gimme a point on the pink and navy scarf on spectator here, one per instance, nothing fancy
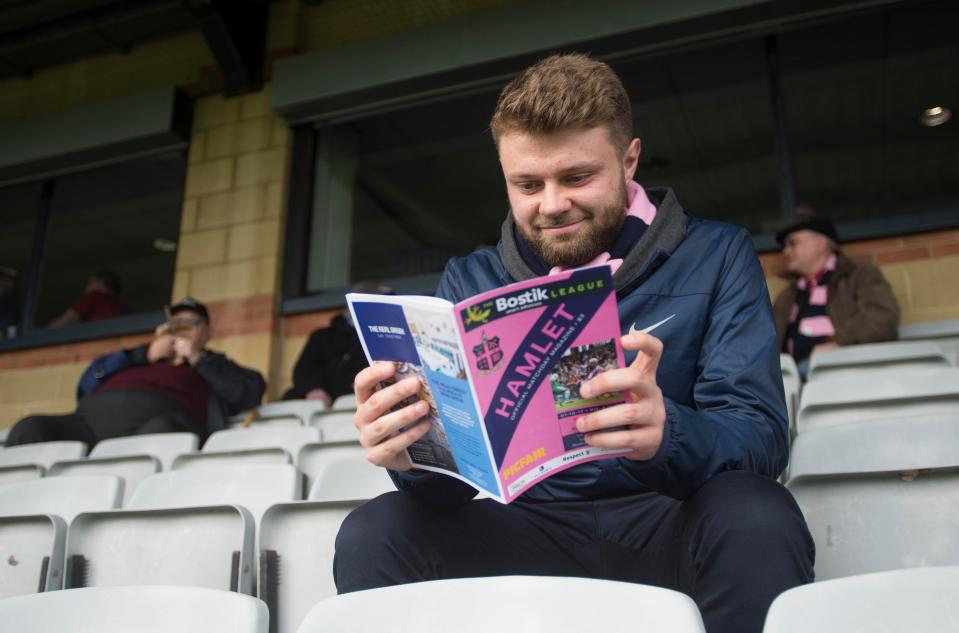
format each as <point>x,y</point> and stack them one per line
<point>640,214</point>
<point>809,325</point>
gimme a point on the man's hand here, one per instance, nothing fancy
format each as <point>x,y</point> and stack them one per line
<point>643,413</point>
<point>187,349</point>
<point>822,347</point>
<point>380,429</point>
<point>161,348</point>
<point>320,394</point>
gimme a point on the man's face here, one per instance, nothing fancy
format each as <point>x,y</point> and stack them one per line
<point>199,329</point>
<point>806,252</point>
<point>567,191</point>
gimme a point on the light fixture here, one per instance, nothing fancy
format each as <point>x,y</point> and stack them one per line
<point>164,245</point>
<point>936,115</point>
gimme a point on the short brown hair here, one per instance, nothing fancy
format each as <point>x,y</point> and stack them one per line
<point>562,92</point>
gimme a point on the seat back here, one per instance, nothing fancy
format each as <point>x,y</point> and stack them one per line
<point>163,446</point>
<point>296,544</point>
<point>336,426</point>
<point>285,413</point>
<point>289,438</point>
<point>466,605</point>
<point>921,599</point>
<point>41,453</point>
<point>10,474</point>
<point>859,361</point>
<point>349,476</point>
<point>345,402</point>
<point>889,395</point>
<point>142,609</point>
<point>31,548</point>
<point>63,496</point>
<point>131,469</point>
<point>313,458</point>
<point>215,459</point>
<point>208,546</point>
<point>253,486</point>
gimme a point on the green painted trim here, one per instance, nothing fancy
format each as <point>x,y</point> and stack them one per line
<point>94,134</point>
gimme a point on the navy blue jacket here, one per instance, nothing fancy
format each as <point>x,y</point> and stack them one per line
<point>232,388</point>
<point>719,373</point>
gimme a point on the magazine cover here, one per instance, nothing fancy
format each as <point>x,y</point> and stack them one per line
<point>501,373</point>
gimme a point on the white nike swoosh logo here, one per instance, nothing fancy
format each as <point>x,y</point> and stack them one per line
<point>647,330</point>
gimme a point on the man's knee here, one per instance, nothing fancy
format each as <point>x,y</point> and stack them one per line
<point>32,429</point>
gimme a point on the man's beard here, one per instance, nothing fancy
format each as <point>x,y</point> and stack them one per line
<point>580,247</point>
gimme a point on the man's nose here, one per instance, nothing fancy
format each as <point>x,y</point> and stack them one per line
<point>554,200</point>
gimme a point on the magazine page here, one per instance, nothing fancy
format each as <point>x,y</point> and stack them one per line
<point>420,335</point>
<point>529,347</point>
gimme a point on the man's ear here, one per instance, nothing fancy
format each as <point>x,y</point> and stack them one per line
<point>631,158</point>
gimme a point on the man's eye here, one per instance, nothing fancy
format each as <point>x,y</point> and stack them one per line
<point>577,179</point>
<point>527,186</point>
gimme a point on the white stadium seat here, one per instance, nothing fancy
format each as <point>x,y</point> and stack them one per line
<point>63,496</point>
<point>163,446</point>
<point>899,601</point>
<point>283,413</point>
<point>41,453</point>
<point>945,334</point>
<point>349,476</point>
<point>216,459</point>
<point>289,438</point>
<point>312,458</point>
<point>132,469</point>
<point>890,395</point>
<point>31,550</point>
<point>879,495</point>
<point>792,386</point>
<point>860,361</point>
<point>534,603</point>
<point>156,609</point>
<point>336,426</point>
<point>345,402</point>
<point>10,474</point>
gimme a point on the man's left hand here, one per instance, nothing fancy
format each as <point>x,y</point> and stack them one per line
<point>643,413</point>
<point>188,350</point>
<point>822,347</point>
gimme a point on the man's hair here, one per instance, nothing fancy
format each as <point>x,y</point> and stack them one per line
<point>109,279</point>
<point>563,92</point>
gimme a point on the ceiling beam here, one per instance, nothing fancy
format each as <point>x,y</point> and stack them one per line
<point>235,31</point>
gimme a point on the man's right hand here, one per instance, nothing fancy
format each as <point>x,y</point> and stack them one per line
<point>161,348</point>
<point>380,428</point>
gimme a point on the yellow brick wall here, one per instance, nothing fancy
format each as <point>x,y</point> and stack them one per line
<point>38,390</point>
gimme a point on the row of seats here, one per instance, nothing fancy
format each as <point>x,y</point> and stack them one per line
<point>924,599</point>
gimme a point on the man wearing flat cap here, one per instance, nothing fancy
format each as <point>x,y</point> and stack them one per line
<point>174,383</point>
<point>831,300</point>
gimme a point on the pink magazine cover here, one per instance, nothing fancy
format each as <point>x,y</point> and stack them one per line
<point>528,347</point>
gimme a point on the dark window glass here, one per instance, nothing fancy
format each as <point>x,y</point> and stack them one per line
<point>18,215</point>
<point>116,218</point>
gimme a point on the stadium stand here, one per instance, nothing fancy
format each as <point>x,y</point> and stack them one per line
<point>153,609</point>
<point>900,394</point>
<point>474,605</point>
<point>862,361</point>
<point>163,446</point>
<point>63,496</point>
<point>42,453</point>
<point>32,547</point>
<point>924,599</point>
<point>132,469</point>
<point>879,494</point>
<point>282,413</point>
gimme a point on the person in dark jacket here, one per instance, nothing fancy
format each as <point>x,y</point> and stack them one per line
<point>172,384</point>
<point>831,300</point>
<point>695,506</point>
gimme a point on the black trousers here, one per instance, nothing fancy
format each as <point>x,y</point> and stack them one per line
<point>104,415</point>
<point>733,546</point>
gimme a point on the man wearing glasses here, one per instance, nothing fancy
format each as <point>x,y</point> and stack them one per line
<point>174,383</point>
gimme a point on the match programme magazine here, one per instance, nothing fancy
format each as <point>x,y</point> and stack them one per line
<point>501,373</point>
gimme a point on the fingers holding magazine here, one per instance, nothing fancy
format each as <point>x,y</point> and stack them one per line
<point>387,429</point>
<point>642,418</point>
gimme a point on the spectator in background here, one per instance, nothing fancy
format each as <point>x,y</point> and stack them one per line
<point>172,384</point>
<point>9,309</point>
<point>831,300</point>
<point>331,357</point>
<point>100,300</point>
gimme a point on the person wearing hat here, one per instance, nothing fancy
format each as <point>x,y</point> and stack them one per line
<point>174,383</point>
<point>831,300</point>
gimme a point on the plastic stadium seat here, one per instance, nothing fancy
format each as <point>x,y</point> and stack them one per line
<point>296,543</point>
<point>62,496</point>
<point>156,609</point>
<point>253,486</point>
<point>31,549</point>
<point>889,395</point>
<point>41,453</point>
<point>216,459</point>
<point>860,361</point>
<point>131,469</point>
<point>792,386</point>
<point>284,413</point>
<point>289,438</point>
<point>336,426</point>
<point>344,402</point>
<point>312,458</point>
<point>10,474</point>
<point>163,446</point>
<point>349,476</point>
<point>536,603</point>
<point>903,601</point>
<point>945,334</point>
<point>207,546</point>
<point>879,495</point>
